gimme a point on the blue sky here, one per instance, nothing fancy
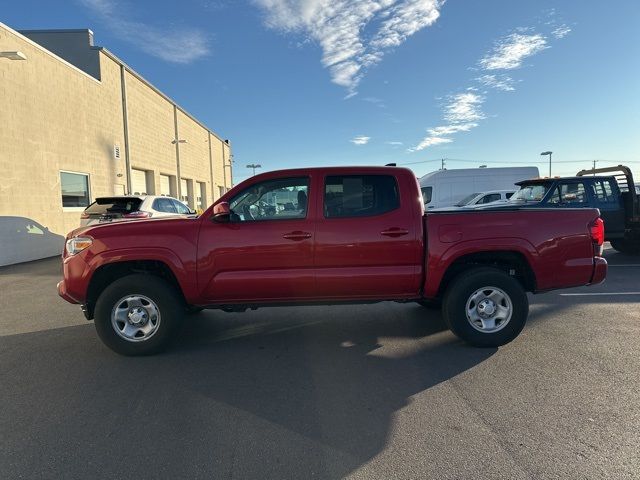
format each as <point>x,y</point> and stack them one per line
<point>333,82</point>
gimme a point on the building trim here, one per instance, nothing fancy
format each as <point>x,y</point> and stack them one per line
<point>125,127</point>
<point>48,52</point>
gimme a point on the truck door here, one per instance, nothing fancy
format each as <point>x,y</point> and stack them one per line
<point>265,252</point>
<point>368,242</point>
<point>606,196</point>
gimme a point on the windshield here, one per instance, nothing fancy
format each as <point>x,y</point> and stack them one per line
<point>530,193</point>
<point>467,199</point>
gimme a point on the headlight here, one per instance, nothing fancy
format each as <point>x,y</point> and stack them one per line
<point>77,244</point>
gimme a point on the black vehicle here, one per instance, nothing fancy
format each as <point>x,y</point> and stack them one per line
<point>615,195</point>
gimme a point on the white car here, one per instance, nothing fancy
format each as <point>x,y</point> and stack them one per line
<point>130,207</point>
<point>483,198</point>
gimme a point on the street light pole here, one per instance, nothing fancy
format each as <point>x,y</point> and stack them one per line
<point>254,166</point>
<point>548,153</point>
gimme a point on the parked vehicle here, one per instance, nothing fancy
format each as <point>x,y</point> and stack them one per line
<point>130,207</point>
<point>614,195</point>
<point>483,198</point>
<point>445,188</point>
<point>354,234</point>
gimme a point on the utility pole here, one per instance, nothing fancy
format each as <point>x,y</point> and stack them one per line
<point>443,164</point>
<point>594,167</point>
<point>548,153</point>
<point>254,166</point>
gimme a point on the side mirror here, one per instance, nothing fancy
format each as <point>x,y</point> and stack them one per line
<point>221,212</point>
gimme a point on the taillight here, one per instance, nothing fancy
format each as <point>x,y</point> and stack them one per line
<point>597,235</point>
<point>137,215</point>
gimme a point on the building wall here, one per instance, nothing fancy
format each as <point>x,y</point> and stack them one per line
<point>55,117</point>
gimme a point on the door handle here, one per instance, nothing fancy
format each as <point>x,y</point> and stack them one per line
<point>394,232</point>
<point>297,236</point>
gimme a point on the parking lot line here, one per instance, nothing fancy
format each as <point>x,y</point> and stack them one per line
<point>596,294</point>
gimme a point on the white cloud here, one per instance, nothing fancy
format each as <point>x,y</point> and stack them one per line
<point>561,32</point>
<point>360,140</point>
<point>176,44</point>
<point>338,27</point>
<point>509,52</point>
<point>464,107</point>
<point>463,111</point>
<point>394,144</point>
<point>499,82</point>
<point>430,142</point>
<point>451,129</point>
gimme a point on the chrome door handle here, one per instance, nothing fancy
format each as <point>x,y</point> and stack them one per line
<point>394,232</point>
<point>297,236</point>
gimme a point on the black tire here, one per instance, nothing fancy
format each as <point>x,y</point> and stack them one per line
<point>460,291</point>
<point>435,304</point>
<point>168,303</point>
<point>626,246</point>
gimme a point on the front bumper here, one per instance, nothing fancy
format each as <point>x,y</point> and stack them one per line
<point>63,292</point>
<point>599,271</point>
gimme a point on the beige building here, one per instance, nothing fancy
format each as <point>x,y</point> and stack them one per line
<point>77,123</point>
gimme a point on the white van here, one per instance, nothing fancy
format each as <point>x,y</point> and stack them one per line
<point>445,188</point>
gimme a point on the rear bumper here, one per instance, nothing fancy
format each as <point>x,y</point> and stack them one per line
<point>599,270</point>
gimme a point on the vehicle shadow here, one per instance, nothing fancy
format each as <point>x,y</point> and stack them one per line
<point>24,239</point>
<point>278,393</point>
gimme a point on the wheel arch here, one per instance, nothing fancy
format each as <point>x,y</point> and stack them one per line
<point>513,263</point>
<point>108,272</point>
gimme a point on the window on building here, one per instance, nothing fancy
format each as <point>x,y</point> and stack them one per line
<point>75,189</point>
<point>281,199</point>
<point>360,195</point>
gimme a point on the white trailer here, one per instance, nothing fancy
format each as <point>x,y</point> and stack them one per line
<point>444,188</point>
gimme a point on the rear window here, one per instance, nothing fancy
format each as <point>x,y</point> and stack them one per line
<point>113,205</point>
<point>360,195</point>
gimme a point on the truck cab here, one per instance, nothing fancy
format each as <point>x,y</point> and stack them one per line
<point>602,193</point>
<point>614,195</point>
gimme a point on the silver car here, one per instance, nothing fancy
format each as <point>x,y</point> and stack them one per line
<point>130,207</point>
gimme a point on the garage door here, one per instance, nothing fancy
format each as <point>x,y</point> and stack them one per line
<point>198,195</point>
<point>138,182</point>
<point>165,185</point>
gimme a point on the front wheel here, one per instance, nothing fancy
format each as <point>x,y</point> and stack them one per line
<point>485,307</point>
<point>138,315</point>
<point>626,246</point>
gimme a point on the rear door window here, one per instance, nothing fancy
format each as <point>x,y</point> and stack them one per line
<point>573,193</point>
<point>180,207</point>
<point>164,205</point>
<point>490,198</point>
<point>360,195</point>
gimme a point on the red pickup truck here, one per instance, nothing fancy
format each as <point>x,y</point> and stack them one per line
<point>325,236</point>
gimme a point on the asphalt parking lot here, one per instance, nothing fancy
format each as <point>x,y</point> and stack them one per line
<point>376,391</point>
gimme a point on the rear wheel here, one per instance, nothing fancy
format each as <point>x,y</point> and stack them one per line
<point>138,315</point>
<point>485,307</point>
<point>626,246</point>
